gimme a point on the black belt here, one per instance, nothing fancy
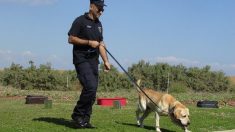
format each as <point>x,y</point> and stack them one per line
<point>90,53</point>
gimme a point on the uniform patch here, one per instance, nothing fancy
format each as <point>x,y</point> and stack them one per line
<point>88,26</point>
<point>100,29</point>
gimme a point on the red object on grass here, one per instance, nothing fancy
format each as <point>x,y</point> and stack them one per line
<point>109,101</point>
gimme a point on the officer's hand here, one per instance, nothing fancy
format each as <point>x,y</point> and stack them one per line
<point>93,44</point>
<point>107,66</point>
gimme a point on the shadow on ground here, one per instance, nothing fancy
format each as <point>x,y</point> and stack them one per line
<point>145,127</point>
<point>57,121</point>
<point>70,124</point>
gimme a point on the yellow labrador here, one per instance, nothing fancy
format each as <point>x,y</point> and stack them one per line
<point>165,104</point>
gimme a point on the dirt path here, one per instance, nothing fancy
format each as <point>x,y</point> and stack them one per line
<point>226,131</point>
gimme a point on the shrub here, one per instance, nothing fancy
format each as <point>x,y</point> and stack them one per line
<point>178,87</point>
<point>152,75</point>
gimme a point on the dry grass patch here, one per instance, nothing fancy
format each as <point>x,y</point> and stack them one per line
<point>232,78</point>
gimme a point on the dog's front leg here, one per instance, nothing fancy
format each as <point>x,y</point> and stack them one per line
<point>157,118</point>
<point>146,113</point>
<point>138,111</point>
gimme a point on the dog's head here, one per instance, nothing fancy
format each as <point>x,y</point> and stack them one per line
<point>180,116</point>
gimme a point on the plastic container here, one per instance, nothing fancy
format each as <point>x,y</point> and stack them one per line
<point>110,101</point>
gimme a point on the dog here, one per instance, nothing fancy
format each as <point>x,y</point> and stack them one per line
<point>164,104</point>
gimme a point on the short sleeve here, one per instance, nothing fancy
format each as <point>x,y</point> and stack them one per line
<point>76,27</point>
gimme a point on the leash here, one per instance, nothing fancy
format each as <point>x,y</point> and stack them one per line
<point>132,80</point>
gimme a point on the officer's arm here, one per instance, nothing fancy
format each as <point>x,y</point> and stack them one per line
<point>104,56</point>
<point>77,41</point>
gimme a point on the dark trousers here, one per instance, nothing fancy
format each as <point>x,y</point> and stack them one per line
<point>87,73</point>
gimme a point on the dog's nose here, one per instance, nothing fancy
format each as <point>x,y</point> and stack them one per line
<point>188,123</point>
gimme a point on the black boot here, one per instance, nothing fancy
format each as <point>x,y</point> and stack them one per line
<point>80,123</point>
<point>88,125</point>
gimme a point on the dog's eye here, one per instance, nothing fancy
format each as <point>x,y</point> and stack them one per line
<point>184,116</point>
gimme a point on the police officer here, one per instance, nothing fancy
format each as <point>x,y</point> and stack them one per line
<point>86,36</point>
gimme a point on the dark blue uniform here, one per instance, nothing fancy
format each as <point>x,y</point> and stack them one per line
<point>86,60</point>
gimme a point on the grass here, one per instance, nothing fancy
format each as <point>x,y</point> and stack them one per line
<point>16,116</point>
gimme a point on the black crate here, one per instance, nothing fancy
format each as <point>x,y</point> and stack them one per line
<point>35,99</point>
<point>207,104</point>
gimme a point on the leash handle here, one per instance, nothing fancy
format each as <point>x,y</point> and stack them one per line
<point>132,80</point>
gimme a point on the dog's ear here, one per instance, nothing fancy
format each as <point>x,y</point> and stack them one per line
<point>177,113</point>
<point>138,82</point>
<point>187,110</point>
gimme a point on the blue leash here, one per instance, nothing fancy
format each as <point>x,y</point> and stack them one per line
<point>132,80</point>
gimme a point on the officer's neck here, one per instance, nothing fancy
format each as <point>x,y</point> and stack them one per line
<point>91,16</point>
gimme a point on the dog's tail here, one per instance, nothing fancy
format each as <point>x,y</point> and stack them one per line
<point>138,86</point>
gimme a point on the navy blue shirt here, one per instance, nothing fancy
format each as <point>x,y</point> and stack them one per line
<point>88,29</point>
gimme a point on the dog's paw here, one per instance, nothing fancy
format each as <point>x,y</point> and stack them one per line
<point>186,130</point>
<point>141,126</point>
<point>158,129</point>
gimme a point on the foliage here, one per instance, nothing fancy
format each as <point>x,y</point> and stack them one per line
<point>112,80</point>
<point>204,80</point>
<point>160,76</point>
<point>178,87</point>
<point>43,78</point>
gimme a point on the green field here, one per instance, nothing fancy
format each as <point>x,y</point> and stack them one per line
<point>16,116</point>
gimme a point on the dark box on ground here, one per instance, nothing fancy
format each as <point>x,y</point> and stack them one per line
<point>207,104</point>
<point>35,99</point>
